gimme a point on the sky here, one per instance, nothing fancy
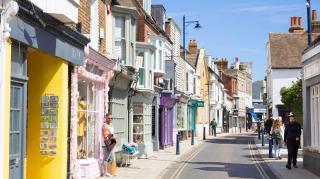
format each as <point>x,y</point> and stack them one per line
<point>237,28</point>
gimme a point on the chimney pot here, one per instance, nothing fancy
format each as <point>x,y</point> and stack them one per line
<point>296,24</point>
<point>314,15</point>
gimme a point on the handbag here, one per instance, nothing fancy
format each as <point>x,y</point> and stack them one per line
<point>112,168</point>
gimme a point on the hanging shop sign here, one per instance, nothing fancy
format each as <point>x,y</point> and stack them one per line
<point>49,124</point>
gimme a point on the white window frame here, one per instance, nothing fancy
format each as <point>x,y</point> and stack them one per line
<point>315,114</point>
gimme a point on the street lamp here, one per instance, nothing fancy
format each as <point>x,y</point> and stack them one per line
<point>197,26</point>
<point>308,4</point>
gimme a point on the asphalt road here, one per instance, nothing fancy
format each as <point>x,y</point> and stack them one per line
<point>233,156</point>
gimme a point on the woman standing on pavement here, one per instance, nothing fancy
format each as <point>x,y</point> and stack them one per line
<point>276,132</point>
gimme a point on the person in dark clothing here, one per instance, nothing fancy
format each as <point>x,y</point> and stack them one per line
<point>213,124</point>
<point>268,125</point>
<point>292,135</point>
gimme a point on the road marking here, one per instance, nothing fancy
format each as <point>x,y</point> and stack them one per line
<point>178,172</point>
<point>256,162</point>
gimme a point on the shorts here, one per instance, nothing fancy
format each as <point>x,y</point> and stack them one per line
<point>107,155</point>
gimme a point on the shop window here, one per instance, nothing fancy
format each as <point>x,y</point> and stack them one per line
<point>87,115</point>
<point>19,62</point>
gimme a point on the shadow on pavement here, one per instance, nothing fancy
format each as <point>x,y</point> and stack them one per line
<point>233,169</point>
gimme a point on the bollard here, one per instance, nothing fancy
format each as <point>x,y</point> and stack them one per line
<point>270,146</point>
<point>192,137</point>
<point>259,132</point>
<point>204,133</point>
<point>262,137</point>
<point>178,145</point>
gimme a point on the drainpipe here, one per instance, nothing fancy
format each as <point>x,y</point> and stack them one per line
<point>7,11</point>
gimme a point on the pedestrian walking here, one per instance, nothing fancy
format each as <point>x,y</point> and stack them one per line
<point>268,125</point>
<point>109,144</point>
<point>292,135</point>
<point>213,125</point>
<point>276,132</point>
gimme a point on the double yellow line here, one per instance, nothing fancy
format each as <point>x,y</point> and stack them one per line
<point>178,172</point>
<point>256,161</point>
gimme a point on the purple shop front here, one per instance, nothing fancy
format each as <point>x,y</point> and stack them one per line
<point>166,111</point>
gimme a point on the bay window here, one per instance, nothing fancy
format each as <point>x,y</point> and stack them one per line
<point>120,38</point>
<point>124,38</point>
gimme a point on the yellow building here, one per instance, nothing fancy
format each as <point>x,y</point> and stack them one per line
<point>197,58</point>
<point>38,73</point>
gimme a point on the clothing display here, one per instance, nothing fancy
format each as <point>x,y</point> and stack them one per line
<point>82,123</point>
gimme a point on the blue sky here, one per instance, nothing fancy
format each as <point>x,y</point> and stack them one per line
<point>237,28</point>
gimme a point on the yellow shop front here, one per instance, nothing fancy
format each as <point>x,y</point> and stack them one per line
<point>39,98</point>
<point>39,109</point>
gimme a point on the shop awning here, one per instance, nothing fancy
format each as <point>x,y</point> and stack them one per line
<point>253,115</point>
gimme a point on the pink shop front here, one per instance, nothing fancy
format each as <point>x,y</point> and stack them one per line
<point>89,103</point>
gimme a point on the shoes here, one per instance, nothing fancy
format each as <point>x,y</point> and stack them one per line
<point>295,166</point>
<point>107,175</point>
<point>288,167</point>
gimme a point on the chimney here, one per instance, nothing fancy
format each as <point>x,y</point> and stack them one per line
<point>222,64</point>
<point>315,23</point>
<point>296,25</point>
<point>193,47</point>
<point>314,15</point>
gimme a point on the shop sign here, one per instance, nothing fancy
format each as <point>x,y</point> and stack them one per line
<point>49,124</point>
<point>200,104</point>
<point>170,103</point>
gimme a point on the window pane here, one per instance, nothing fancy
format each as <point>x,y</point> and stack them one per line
<point>91,134</point>
<point>141,76</point>
<point>14,120</point>
<point>18,62</point>
<point>160,60</point>
<point>14,143</point>
<point>119,27</point>
<point>15,96</point>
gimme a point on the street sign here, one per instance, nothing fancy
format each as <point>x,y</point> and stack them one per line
<point>200,103</point>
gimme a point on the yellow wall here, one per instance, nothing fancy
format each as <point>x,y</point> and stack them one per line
<point>6,131</point>
<point>46,74</point>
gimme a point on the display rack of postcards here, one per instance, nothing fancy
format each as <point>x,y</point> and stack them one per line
<point>49,124</point>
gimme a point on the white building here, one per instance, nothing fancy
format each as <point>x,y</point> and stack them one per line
<point>283,65</point>
<point>218,97</point>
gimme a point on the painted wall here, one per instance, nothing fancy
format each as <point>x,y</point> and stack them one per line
<point>46,74</point>
<point>5,132</point>
<point>64,10</point>
<point>281,78</point>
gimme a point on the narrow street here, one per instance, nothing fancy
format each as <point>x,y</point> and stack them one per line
<point>233,156</point>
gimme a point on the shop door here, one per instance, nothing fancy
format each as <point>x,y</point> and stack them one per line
<point>17,137</point>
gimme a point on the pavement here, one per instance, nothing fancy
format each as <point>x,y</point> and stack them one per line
<point>228,156</point>
<point>278,166</point>
<point>158,162</point>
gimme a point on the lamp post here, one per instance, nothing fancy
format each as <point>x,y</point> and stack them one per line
<point>197,26</point>
<point>308,4</point>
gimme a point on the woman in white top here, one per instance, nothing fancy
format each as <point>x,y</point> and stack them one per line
<point>277,135</point>
<point>109,142</point>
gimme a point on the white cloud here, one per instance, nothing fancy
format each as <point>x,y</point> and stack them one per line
<point>267,8</point>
